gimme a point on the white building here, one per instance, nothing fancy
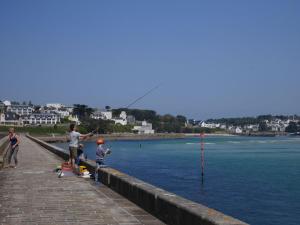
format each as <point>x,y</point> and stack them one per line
<point>62,112</point>
<point>20,109</point>
<point>251,127</point>
<point>69,109</point>
<point>2,117</point>
<point>223,126</point>
<point>145,128</point>
<point>238,130</point>
<point>209,125</point>
<point>102,114</point>
<point>123,115</point>
<point>122,119</point>
<point>54,105</point>
<point>41,118</point>
<point>10,118</point>
<point>278,125</point>
<point>7,103</point>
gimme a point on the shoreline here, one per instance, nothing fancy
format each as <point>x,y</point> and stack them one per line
<point>115,137</point>
<point>158,136</point>
<point>210,134</point>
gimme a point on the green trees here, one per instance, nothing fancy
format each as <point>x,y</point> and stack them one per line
<point>103,126</point>
<point>293,127</point>
<point>169,123</point>
<point>265,117</point>
<point>263,126</point>
<point>181,119</point>
<point>82,111</point>
<point>118,128</point>
<point>160,123</point>
<point>236,121</point>
<point>139,114</point>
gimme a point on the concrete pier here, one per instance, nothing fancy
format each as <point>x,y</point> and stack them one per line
<point>32,194</point>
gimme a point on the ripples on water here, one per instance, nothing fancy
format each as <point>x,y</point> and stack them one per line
<point>255,179</point>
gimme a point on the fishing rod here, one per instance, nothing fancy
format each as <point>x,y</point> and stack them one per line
<point>132,103</point>
<point>141,97</point>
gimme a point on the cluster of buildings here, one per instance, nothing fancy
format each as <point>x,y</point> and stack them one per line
<point>140,127</point>
<point>278,124</point>
<point>204,124</point>
<point>53,113</point>
<point>275,125</point>
<point>20,115</point>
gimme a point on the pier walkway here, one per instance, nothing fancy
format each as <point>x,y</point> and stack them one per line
<point>33,194</point>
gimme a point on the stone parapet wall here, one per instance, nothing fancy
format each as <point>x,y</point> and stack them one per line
<point>168,207</point>
<point>4,145</point>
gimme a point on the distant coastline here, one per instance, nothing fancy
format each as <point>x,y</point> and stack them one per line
<point>156,136</point>
<point>209,134</point>
<point>114,137</point>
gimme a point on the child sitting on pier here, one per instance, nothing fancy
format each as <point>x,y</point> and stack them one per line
<point>80,154</point>
<point>101,152</point>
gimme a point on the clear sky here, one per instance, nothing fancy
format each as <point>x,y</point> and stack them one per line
<point>213,58</point>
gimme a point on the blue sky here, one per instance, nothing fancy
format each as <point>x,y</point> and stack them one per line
<point>213,58</point>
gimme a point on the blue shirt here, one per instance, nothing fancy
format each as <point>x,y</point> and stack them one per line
<point>101,151</point>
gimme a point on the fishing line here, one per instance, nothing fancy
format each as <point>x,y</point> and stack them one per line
<point>147,93</point>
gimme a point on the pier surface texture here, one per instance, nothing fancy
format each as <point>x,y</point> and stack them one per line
<point>33,194</point>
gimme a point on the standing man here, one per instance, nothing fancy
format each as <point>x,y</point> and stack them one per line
<point>74,137</point>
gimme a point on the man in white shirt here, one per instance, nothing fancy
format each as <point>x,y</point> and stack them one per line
<point>74,137</point>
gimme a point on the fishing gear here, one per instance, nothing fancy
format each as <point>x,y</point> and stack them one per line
<point>139,98</point>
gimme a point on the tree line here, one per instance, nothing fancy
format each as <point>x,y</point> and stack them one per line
<point>160,123</point>
<point>293,127</point>
<point>168,123</point>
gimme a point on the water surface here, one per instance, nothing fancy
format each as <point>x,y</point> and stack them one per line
<point>255,179</point>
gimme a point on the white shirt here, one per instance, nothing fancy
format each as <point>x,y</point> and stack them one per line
<point>74,139</point>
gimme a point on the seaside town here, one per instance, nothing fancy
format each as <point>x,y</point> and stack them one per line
<point>50,114</point>
<point>149,112</point>
<point>13,113</point>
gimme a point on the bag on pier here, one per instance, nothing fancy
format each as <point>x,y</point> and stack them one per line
<point>66,170</point>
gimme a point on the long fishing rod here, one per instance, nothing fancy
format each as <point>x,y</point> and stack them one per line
<point>132,103</point>
<point>139,98</point>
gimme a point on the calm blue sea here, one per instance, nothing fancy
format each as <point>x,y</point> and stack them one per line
<point>255,179</point>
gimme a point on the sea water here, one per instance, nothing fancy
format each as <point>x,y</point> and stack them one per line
<point>255,179</point>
